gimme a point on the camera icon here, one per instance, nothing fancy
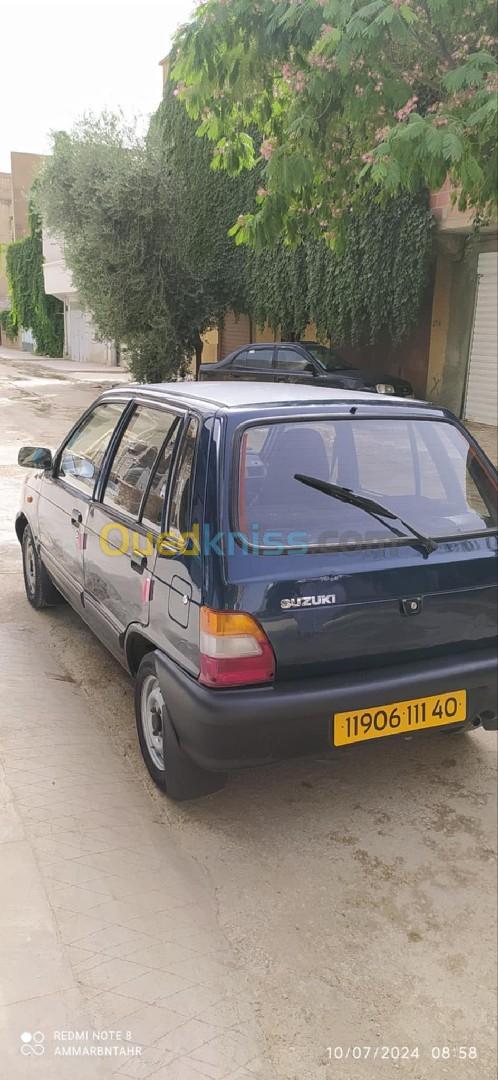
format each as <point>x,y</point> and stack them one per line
<point>32,1043</point>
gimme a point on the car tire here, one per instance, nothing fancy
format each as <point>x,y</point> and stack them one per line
<point>169,766</point>
<point>40,589</point>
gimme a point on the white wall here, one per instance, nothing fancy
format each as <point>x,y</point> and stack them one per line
<point>81,342</point>
<point>57,277</point>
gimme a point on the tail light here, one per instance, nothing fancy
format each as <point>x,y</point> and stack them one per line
<point>235,650</point>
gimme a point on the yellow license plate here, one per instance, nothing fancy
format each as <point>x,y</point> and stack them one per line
<point>400,717</point>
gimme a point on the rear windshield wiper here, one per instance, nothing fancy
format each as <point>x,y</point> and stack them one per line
<point>370,506</point>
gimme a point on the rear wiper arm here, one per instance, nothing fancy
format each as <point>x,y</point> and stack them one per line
<point>370,506</point>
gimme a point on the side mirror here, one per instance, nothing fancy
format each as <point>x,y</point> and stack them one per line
<point>35,457</point>
<point>310,368</point>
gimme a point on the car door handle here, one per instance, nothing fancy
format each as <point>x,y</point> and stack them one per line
<point>139,565</point>
<point>76,518</point>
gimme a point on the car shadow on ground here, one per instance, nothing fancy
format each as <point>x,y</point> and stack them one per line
<point>407,774</point>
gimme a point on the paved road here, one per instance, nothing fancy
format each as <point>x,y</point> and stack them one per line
<point>306,906</point>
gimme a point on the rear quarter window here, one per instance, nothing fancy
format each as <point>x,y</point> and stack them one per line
<point>181,495</point>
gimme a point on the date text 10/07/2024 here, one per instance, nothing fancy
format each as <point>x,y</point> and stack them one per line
<point>401,1053</point>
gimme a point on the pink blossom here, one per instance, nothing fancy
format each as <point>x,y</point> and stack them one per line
<point>404,113</point>
<point>367,158</point>
<point>263,192</point>
<point>381,134</point>
<point>441,121</point>
<point>267,149</point>
<point>317,60</point>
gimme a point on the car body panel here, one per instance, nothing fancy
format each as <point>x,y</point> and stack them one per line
<point>62,514</point>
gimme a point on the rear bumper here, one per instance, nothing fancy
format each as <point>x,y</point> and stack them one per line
<point>230,729</point>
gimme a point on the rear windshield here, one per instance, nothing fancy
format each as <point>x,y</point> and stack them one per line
<point>423,471</point>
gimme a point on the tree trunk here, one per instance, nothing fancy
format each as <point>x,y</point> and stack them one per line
<point>288,333</point>
<point>198,354</point>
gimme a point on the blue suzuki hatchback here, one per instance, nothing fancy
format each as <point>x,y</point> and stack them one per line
<point>283,569</point>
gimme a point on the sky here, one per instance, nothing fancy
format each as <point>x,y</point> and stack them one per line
<point>61,59</point>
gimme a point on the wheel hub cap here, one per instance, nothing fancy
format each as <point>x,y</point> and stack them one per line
<point>153,720</point>
<point>30,566</point>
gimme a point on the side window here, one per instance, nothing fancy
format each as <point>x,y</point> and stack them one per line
<point>254,359</point>
<point>181,498</point>
<point>240,361</point>
<point>153,509</point>
<point>82,456</point>
<point>135,458</point>
<point>292,360</point>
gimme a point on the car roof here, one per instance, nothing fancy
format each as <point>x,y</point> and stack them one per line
<point>226,395</point>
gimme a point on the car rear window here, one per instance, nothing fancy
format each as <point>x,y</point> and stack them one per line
<point>425,472</point>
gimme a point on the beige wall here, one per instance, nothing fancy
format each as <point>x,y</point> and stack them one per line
<point>5,234</point>
<point>210,347</point>
<point>15,188</point>
<point>453,312</point>
<point>266,334</point>
<point>444,206</point>
<point>24,170</point>
<point>441,304</point>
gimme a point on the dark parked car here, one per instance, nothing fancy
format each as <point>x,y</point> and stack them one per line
<point>282,569</point>
<point>306,362</point>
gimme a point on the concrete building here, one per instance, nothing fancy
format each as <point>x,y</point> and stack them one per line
<point>5,234</point>
<point>15,190</point>
<point>80,336</point>
<point>463,353</point>
<point>24,168</point>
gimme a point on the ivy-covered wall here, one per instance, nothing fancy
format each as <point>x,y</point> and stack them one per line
<point>371,293</point>
<point>31,308</point>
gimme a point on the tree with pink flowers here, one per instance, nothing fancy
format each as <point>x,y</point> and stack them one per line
<point>337,99</point>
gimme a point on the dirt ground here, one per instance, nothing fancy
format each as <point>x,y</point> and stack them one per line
<point>356,900</point>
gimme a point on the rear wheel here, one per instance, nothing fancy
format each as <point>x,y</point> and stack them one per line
<point>40,590</point>
<point>169,765</point>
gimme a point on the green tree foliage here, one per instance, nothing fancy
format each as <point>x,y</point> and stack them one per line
<point>31,308</point>
<point>203,205</point>
<point>7,323</point>
<point>145,227</point>
<point>347,96</point>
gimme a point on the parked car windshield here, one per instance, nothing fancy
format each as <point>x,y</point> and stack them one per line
<point>330,359</point>
<point>425,472</point>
